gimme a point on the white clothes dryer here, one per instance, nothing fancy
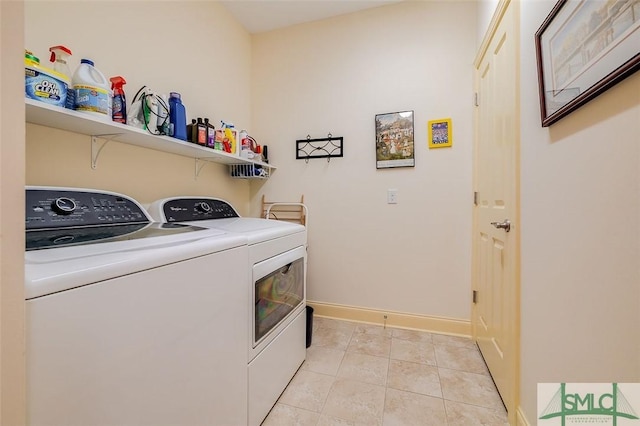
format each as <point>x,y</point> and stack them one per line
<point>276,263</point>
<point>131,321</point>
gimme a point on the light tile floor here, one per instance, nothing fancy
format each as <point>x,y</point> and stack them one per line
<point>359,374</point>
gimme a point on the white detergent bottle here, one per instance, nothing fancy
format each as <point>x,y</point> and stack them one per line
<point>92,90</point>
<point>60,57</point>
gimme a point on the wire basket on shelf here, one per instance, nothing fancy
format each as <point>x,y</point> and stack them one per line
<point>249,171</point>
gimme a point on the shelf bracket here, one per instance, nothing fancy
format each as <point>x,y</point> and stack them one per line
<point>199,164</point>
<point>96,147</point>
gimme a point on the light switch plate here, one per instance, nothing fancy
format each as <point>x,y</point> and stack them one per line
<point>392,196</point>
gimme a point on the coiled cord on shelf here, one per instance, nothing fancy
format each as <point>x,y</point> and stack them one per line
<point>159,129</point>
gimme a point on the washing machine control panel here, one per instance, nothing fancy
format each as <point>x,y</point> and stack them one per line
<point>61,208</point>
<point>190,209</point>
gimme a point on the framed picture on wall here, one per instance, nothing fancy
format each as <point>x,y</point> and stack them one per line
<point>440,133</point>
<point>394,140</point>
<point>583,48</point>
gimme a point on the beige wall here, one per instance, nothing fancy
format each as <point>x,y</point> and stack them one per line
<point>12,369</point>
<point>580,234</point>
<point>194,48</point>
<point>334,76</point>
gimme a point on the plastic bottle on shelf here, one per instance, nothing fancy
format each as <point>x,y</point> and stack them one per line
<point>191,128</point>
<point>92,92</point>
<point>211,134</point>
<point>59,57</point>
<point>230,134</point>
<point>177,116</point>
<point>200,133</point>
<point>244,140</point>
<point>119,113</point>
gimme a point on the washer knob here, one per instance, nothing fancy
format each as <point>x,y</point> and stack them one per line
<point>64,205</point>
<point>203,206</point>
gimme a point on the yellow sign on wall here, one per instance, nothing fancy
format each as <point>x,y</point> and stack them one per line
<point>440,133</point>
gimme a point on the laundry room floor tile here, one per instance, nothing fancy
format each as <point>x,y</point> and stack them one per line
<point>470,388</point>
<point>370,344</point>
<point>408,350</point>
<point>461,358</point>
<point>364,368</point>
<point>414,377</point>
<point>356,401</point>
<point>323,360</point>
<point>307,390</point>
<point>364,375</point>
<point>406,408</point>
<point>332,334</point>
<point>285,415</point>
<point>459,414</point>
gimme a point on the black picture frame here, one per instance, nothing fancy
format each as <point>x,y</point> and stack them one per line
<point>583,48</point>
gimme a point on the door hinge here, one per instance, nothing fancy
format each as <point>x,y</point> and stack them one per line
<point>475,296</point>
<point>476,99</point>
<point>475,198</point>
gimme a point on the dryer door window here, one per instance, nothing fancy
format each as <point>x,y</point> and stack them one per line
<point>277,293</point>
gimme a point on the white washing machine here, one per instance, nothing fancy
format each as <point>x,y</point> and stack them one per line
<point>130,321</point>
<point>276,336</point>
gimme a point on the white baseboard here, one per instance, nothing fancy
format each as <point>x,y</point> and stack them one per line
<point>457,327</point>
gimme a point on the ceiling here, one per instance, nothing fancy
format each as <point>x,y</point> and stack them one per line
<point>265,15</point>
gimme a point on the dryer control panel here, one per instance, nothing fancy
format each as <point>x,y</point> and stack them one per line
<point>190,209</point>
<point>63,208</point>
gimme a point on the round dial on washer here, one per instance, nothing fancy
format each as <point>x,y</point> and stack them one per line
<point>203,206</point>
<point>64,205</point>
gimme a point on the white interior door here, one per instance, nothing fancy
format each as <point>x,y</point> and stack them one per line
<point>496,212</point>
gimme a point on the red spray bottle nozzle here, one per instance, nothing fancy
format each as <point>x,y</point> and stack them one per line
<point>117,82</point>
<point>60,50</point>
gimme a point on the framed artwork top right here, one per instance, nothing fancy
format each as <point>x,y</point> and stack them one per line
<point>583,48</point>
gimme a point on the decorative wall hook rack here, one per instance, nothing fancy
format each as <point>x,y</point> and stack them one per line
<point>328,148</point>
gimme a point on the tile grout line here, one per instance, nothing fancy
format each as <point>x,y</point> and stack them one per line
<point>335,378</point>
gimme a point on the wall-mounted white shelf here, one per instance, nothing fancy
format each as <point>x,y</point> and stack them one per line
<point>87,124</point>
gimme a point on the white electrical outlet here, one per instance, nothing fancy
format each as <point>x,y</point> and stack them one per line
<point>392,196</point>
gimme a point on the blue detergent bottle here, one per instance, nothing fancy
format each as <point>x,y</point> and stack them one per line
<point>177,117</point>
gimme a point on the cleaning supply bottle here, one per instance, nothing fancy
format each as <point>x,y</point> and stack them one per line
<point>119,113</point>
<point>201,133</point>
<point>93,95</point>
<point>190,129</point>
<point>244,140</point>
<point>211,134</point>
<point>177,117</point>
<point>230,134</point>
<point>59,57</point>
<point>43,84</point>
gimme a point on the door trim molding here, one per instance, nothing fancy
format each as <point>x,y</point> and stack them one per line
<point>493,25</point>
<point>521,420</point>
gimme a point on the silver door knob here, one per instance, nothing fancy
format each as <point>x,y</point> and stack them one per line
<point>506,225</point>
